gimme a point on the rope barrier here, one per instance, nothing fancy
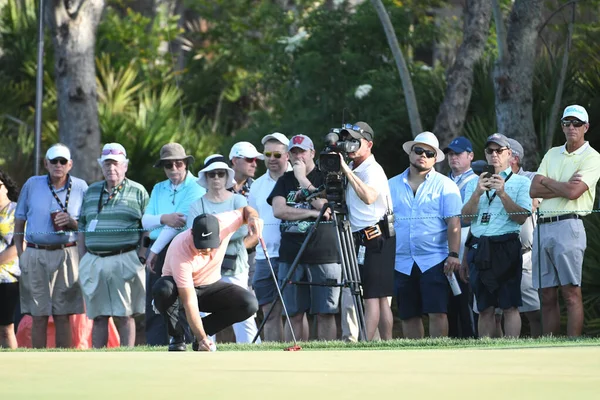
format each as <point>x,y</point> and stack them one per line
<point>307,224</point>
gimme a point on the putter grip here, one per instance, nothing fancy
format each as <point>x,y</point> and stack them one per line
<point>262,244</point>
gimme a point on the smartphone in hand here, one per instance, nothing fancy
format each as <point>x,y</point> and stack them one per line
<point>488,171</point>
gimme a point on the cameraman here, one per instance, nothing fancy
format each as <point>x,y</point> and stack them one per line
<point>320,263</point>
<point>368,199</point>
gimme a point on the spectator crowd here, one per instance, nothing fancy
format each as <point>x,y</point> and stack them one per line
<point>187,256</point>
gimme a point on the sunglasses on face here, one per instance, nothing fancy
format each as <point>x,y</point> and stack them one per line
<point>62,161</point>
<point>249,160</point>
<point>112,151</point>
<point>178,164</point>
<point>275,154</point>
<point>498,151</point>
<point>428,153</point>
<point>213,174</point>
<point>576,123</point>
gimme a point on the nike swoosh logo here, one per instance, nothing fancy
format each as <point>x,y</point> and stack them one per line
<point>206,234</point>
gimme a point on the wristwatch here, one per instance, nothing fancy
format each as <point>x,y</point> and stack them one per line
<point>453,254</point>
<point>142,259</point>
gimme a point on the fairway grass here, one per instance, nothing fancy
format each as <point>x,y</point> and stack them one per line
<point>488,372</point>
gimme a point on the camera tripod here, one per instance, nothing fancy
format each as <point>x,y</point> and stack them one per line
<point>350,273</point>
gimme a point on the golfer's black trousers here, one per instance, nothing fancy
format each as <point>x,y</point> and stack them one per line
<point>226,303</point>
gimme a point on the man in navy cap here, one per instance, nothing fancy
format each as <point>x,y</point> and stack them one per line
<point>460,316</point>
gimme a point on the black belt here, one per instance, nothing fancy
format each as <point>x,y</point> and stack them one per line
<point>51,246</point>
<point>114,253</point>
<point>557,218</point>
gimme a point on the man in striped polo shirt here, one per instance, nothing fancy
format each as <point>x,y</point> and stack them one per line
<point>111,271</point>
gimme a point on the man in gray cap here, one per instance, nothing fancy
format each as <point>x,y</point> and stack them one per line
<point>500,203</point>
<point>165,215</point>
<point>531,300</point>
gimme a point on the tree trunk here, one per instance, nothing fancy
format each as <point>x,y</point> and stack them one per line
<point>409,92</point>
<point>73,25</point>
<point>451,116</point>
<point>513,76</point>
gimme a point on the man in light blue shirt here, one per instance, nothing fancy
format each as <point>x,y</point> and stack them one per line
<point>165,216</point>
<point>426,208</point>
<point>496,205</point>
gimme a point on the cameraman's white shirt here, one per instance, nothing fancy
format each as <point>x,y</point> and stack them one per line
<point>360,214</point>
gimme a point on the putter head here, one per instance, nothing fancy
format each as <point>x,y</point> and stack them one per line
<point>293,348</point>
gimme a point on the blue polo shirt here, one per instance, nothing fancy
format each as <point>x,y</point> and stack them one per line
<point>422,232</point>
<point>36,202</point>
<point>517,188</point>
<point>166,200</point>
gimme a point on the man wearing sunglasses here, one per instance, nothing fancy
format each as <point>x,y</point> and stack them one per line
<point>427,207</point>
<point>165,217</point>
<point>566,180</point>
<point>111,249</point>
<point>50,204</point>
<point>496,205</point>
<point>368,200</point>
<point>294,202</point>
<point>276,161</point>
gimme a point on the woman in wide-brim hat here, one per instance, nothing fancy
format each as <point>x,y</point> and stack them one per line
<point>218,163</point>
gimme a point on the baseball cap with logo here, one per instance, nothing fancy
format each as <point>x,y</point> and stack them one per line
<point>499,139</point>
<point>577,112</point>
<point>245,150</point>
<point>301,141</point>
<point>58,150</point>
<point>205,232</point>
<point>459,145</point>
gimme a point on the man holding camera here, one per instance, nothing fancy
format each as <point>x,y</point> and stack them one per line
<point>369,211</point>
<point>294,200</point>
<point>496,204</point>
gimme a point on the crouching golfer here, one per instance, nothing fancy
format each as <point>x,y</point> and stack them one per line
<point>191,274</point>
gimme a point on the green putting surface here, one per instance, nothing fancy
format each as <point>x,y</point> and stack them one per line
<point>490,373</point>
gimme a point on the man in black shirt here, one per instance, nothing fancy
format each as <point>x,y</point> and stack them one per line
<point>320,262</point>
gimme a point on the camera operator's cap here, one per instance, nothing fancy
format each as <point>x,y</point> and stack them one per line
<point>172,151</point>
<point>58,150</point>
<point>459,145</point>
<point>245,150</point>
<point>359,130</point>
<point>499,139</point>
<point>211,163</point>
<point>430,140</point>
<point>577,112</point>
<point>516,148</point>
<point>301,141</point>
<point>280,137</point>
<point>113,151</point>
<point>205,231</point>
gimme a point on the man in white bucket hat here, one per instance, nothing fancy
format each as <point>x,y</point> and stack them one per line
<point>427,208</point>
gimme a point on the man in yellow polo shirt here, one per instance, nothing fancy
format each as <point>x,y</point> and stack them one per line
<point>566,180</point>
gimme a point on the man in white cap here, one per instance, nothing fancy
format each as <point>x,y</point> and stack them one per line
<point>529,294</point>
<point>164,217</point>
<point>496,205</point>
<point>427,208</point>
<point>276,161</point>
<point>369,204</point>
<point>244,159</point>
<point>49,285</point>
<point>110,246</point>
<point>293,199</point>
<point>566,180</point>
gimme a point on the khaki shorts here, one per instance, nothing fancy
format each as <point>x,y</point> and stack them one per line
<point>114,285</point>
<point>562,245</point>
<point>529,295</point>
<point>49,283</point>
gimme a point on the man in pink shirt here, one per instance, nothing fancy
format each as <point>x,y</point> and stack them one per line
<point>191,277</point>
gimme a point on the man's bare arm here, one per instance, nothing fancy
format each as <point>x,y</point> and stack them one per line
<point>19,235</point>
<point>547,188</point>
<point>282,211</point>
<point>192,312</point>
